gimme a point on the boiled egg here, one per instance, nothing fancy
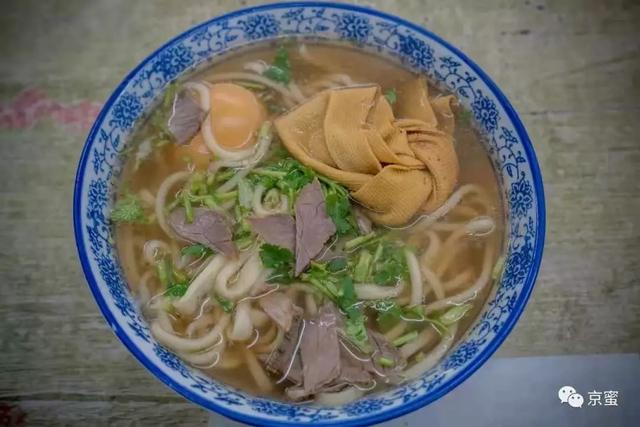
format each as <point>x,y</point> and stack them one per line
<point>236,115</point>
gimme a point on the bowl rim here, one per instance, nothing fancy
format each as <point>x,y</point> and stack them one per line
<point>403,409</point>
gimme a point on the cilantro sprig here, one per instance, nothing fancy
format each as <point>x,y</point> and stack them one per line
<point>129,210</point>
<point>280,260</point>
<point>389,314</point>
<point>196,250</point>
<point>338,207</point>
<point>290,176</point>
<point>177,290</point>
<point>287,175</point>
<point>280,69</point>
<point>175,281</point>
<point>226,305</point>
<point>391,265</point>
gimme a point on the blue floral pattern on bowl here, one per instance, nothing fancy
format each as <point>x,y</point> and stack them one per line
<point>506,142</point>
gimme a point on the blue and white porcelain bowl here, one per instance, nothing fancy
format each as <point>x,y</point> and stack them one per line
<point>506,142</point>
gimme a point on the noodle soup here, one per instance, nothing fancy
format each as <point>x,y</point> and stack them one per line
<point>308,222</point>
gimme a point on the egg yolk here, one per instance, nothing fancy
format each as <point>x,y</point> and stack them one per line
<point>196,151</point>
<point>236,115</point>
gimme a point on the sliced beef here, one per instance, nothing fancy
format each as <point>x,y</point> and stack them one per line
<point>209,228</point>
<point>329,312</point>
<point>313,225</point>
<point>383,348</point>
<point>352,369</point>
<point>317,361</point>
<point>320,351</point>
<point>185,118</point>
<point>319,354</point>
<point>362,368</point>
<point>279,307</point>
<point>326,361</point>
<point>286,354</point>
<point>296,393</point>
<point>279,230</point>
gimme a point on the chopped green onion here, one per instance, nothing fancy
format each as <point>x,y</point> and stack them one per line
<point>197,183</point>
<point>385,362</point>
<point>197,250</point>
<point>164,271</point>
<point>244,242</point>
<point>209,201</point>
<point>174,204</point>
<point>267,172</point>
<point>224,176</point>
<point>454,314</point>
<point>227,306</point>
<point>361,271</point>
<point>180,276</point>
<point>188,209</point>
<point>360,240</point>
<point>405,338</point>
<point>228,196</point>
<point>415,313</point>
<point>211,179</point>
<point>245,193</point>
<point>377,254</point>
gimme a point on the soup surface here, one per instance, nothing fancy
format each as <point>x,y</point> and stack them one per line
<point>308,222</point>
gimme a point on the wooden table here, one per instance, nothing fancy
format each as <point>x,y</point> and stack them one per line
<point>572,70</point>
